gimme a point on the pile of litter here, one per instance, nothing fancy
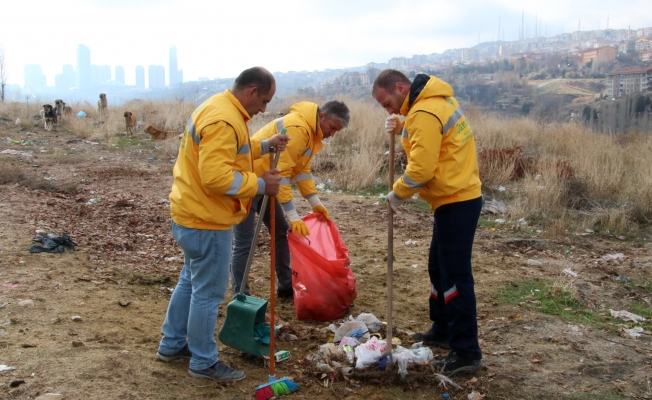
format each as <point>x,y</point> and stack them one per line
<point>52,243</point>
<point>357,347</point>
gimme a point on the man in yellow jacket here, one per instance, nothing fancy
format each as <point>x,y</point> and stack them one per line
<point>213,186</point>
<point>307,125</point>
<point>443,169</point>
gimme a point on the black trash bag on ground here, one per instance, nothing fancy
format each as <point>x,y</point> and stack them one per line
<point>52,243</point>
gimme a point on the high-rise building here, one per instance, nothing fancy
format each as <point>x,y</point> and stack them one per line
<point>100,74</point>
<point>120,74</point>
<point>156,76</point>
<point>66,79</point>
<point>84,77</point>
<point>140,76</point>
<point>34,78</point>
<point>176,75</point>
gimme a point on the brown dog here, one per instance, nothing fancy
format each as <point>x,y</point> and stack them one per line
<point>130,122</point>
<point>102,105</point>
<point>59,105</point>
<point>158,134</point>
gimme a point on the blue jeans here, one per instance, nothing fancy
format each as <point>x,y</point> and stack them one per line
<point>452,296</point>
<point>243,239</point>
<point>204,279</point>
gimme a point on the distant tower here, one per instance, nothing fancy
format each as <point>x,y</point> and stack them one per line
<point>607,21</point>
<point>140,76</point>
<point>176,76</point>
<point>34,78</point>
<point>83,67</point>
<point>523,25</point>
<point>498,26</point>
<point>120,74</point>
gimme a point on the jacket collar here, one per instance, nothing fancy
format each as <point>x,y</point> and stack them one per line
<point>237,104</point>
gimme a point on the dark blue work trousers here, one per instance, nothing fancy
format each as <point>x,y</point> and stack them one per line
<point>452,298</point>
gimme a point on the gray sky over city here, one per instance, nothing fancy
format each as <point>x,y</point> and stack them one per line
<point>219,38</point>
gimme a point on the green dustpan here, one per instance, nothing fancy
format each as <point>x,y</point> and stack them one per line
<point>237,332</point>
<point>245,312</point>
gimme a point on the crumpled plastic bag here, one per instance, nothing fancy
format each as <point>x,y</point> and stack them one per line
<point>626,315</point>
<point>357,329</point>
<point>52,243</point>
<point>402,358</point>
<point>369,353</point>
<point>370,320</point>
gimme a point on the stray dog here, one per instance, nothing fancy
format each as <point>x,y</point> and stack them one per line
<point>130,122</point>
<point>49,115</point>
<point>158,134</point>
<point>67,110</point>
<point>58,105</point>
<point>102,105</point>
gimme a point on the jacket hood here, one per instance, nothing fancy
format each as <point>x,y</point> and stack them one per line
<point>309,112</point>
<point>425,86</point>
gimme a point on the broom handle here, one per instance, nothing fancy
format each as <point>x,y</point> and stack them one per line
<point>259,224</point>
<point>252,250</point>
<point>272,275</point>
<point>390,249</point>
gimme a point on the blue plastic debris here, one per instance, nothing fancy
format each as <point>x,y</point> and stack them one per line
<point>81,114</point>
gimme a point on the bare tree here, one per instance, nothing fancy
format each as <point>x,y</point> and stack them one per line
<point>3,74</point>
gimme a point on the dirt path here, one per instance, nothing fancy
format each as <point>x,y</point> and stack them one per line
<point>545,334</point>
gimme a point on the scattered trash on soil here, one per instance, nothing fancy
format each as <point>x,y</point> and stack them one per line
<point>633,332</point>
<point>570,272</point>
<point>534,262</point>
<point>4,368</point>
<point>52,243</point>
<point>626,315</point>
<point>494,207</point>
<point>617,256</point>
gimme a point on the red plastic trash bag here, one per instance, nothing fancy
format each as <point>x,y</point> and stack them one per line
<point>322,278</point>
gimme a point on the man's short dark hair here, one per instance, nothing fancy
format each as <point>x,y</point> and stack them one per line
<point>337,110</point>
<point>387,79</point>
<point>257,77</point>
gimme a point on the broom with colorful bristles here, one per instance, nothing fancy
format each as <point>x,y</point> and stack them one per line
<point>275,387</point>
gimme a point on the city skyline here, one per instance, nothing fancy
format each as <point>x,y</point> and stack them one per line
<point>333,35</point>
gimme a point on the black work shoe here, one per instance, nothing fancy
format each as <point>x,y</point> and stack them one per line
<point>183,353</point>
<point>453,364</point>
<point>430,338</point>
<point>283,293</point>
<point>218,372</point>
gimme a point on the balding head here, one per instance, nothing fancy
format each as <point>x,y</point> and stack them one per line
<point>254,89</point>
<point>257,77</point>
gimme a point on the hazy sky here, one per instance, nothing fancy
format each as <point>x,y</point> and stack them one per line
<point>219,38</point>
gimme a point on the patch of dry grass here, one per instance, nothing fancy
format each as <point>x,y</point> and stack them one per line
<point>567,175</point>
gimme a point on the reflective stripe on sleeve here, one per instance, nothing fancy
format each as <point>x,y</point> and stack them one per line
<point>244,149</point>
<point>302,177</point>
<point>452,120</point>
<point>285,181</point>
<point>287,207</point>
<point>193,131</point>
<point>235,185</point>
<point>411,183</point>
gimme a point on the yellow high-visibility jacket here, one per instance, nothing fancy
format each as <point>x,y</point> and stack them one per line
<point>440,146</point>
<point>213,176</point>
<point>302,125</point>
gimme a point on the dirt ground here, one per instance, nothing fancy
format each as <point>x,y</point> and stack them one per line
<point>544,333</point>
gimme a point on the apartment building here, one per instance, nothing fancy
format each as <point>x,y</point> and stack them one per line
<point>601,55</point>
<point>629,80</point>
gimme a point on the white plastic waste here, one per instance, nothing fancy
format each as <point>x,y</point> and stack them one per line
<point>373,323</point>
